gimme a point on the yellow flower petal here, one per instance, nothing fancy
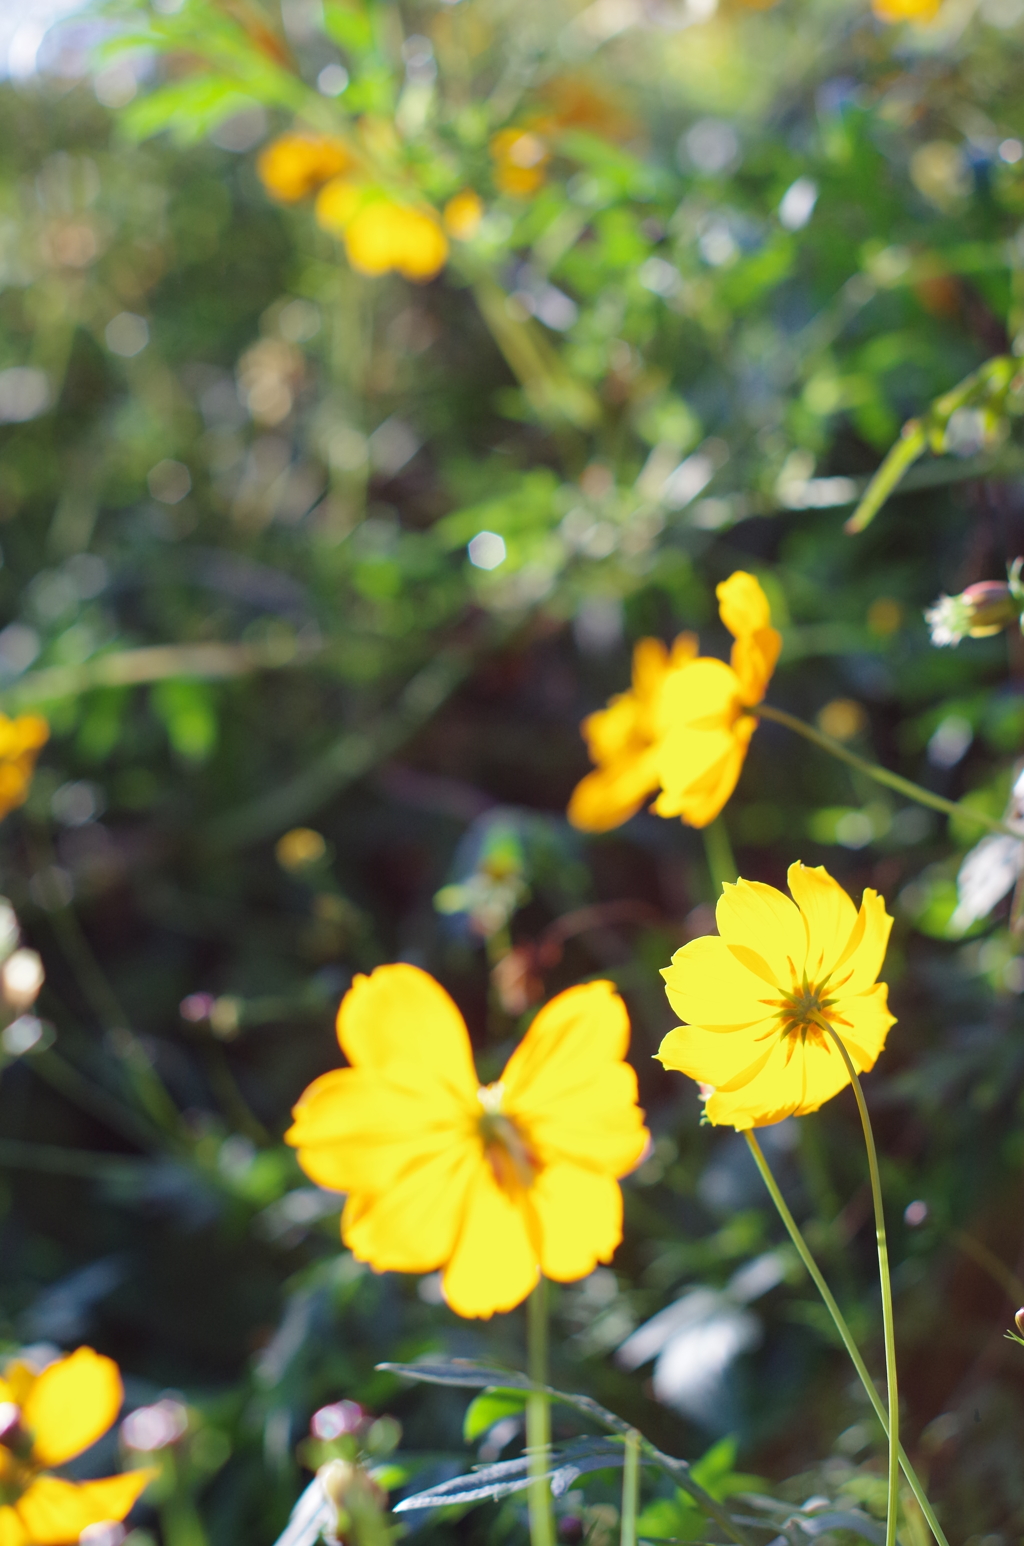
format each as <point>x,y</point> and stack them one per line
<point>719,1057</point>
<point>71,1405</point>
<point>579,1214</point>
<point>862,959</point>
<point>708,985</point>
<point>829,915</point>
<point>495,1264</point>
<point>700,769</point>
<point>54,1512</point>
<point>18,1380</point>
<point>753,917</point>
<point>568,1088</point>
<point>753,659</point>
<point>12,1531</point>
<point>412,1226</point>
<point>399,1014</point>
<point>863,1021</point>
<point>742,604</point>
<point>611,795</point>
<point>294,164</point>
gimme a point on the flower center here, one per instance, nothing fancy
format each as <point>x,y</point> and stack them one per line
<point>801,1012</point>
<point>513,1162</point>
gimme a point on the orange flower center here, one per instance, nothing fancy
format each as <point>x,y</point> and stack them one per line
<point>802,1012</point>
<point>513,1162</point>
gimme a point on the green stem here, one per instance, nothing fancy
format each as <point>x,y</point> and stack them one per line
<point>538,1418</point>
<point>888,1321</point>
<point>882,775</point>
<point>718,852</point>
<point>630,1489</point>
<point>803,1251</point>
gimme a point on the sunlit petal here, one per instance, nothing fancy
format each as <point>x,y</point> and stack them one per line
<point>54,1512</point>
<point>579,1214</point>
<point>753,916</point>
<point>72,1404</point>
<point>400,1014</point>
<point>495,1263</point>
<point>829,916</point>
<point>412,1225</point>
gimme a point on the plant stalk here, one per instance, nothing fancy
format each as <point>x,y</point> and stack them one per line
<point>814,1272</point>
<point>880,775</point>
<point>538,1419</point>
<point>719,854</point>
<point>630,1489</point>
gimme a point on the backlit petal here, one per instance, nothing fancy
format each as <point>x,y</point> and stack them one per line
<point>722,1058</point>
<point>567,1086</point>
<point>829,917</point>
<point>72,1404</point>
<point>742,604</point>
<point>611,795</point>
<point>611,733</point>
<point>701,695</point>
<point>412,1226</point>
<point>494,1265</point>
<point>797,1079</point>
<point>12,1531</point>
<point>54,1512</point>
<point>708,986</point>
<point>356,1129</point>
<point>753,659</point>
<point>650,662</point>
<point>861,962</point>
<point>754,917</point>
<point>400,1014</point>
<point>713,761</point>
<point>580,1220</point>
<point>863,1021</point>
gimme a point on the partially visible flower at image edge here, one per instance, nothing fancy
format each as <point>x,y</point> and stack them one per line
<point>622,740</point>
<point>759,995</point>
<point>48,1418</point>
<point>705,709</point>
<point>21,741</point>
<point>906,10</point>
<point>495,1184</point>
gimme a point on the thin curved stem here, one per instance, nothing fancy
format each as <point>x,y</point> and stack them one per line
<point>888,1320</point>
<point>839,1320</point>
<point>880,775</point>
<point>630,1490</point>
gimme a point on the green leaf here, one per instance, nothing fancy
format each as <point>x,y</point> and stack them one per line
<point>189,717</point>
<point>348,26</point>
<point>487,1409</point>
<point>188,108</point>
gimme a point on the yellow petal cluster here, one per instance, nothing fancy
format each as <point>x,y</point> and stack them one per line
<point>759,996</point>
<point>21,741</point>
<point>494,1184</point>
<point>51,1418</point>
<point>380,234</point>
<point>685,726</point>
<point>623,740</point>
<point>296,164</point>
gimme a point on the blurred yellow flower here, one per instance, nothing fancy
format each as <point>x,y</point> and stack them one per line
<point>703,708</point>
<point>520,161</point>
<point>381,234</point>
<point>299,848</point>
<point>623,740</point>
<point>463,214</point>
<point>295,164</point>
<point>48,1419</point>
<point>21,741</point>
<point>758,997</point>
<point>495,1184</point>
<point>906,10</point>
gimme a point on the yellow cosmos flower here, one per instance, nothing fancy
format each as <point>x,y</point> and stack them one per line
<point>463,214</point>
<point>48,1419</point>
<point>381,234</point>
<point>295,164</point>
<point>520,162</point>
<point>623,740</point>
<point>496,1184</point>
<point>21,741</point>
<point>705,709</point>
<point>759,995</point>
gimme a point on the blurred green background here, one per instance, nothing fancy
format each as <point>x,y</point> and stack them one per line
<point>239,487</point>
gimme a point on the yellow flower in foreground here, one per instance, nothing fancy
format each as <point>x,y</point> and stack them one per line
<point>704,708</point>
<point>496,1184</point>
<point>21,741</point>
<point>47,1419</point>
<point>759,994</point>
<point>295,164</point>
<point>623,740</point>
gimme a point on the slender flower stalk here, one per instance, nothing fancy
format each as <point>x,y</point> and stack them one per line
<point>630,1489</point>
<point>846,1335</point>
<point>538,1418</point>
<point>719,854</point>
<point>888,1322</point>
<point>902,786</point>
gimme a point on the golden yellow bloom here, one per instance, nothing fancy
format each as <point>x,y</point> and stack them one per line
<point>495,1184</point>
<point>759,995</point>
<point>294,164</point>
<point>623,740</point>
<point>381,234</point>
<point>905,10</point>
<point>704,708</point>
<point>520,161</point>
<point>299,848</point>
<point>50,1418</point>
<point>21,741</point>
<point>463,214</point>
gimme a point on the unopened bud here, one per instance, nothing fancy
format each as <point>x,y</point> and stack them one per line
<point>336,1478</point>
<point>1019,1318</point>
<point>982,609</point>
